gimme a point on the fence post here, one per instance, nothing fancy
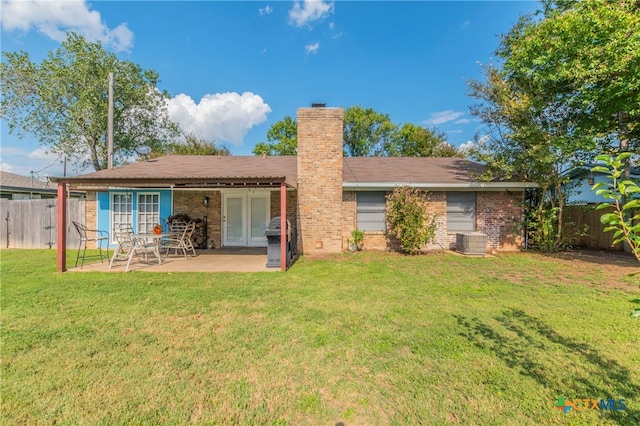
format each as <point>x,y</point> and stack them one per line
<point>62,227</point>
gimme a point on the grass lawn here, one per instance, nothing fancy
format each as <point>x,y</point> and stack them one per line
<point>362,339</point>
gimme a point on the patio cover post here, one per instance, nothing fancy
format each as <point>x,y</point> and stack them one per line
<point>62,227</point>
<point>283,227</point>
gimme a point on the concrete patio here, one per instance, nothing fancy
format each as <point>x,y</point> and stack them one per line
<point>216,260</point>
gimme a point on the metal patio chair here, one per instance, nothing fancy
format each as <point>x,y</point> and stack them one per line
<point>90,235</point>
<point>130,246</point>
<point>179,238</point>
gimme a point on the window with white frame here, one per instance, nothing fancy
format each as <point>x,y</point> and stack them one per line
<point>121,210</point>
<point>461,211</point>
<point>371,211</point>
<point>148,212</point>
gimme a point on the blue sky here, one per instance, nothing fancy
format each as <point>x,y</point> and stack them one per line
<point>235,68</point>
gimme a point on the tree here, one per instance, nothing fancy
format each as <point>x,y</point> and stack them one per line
<point>63,102</point>
<point>568,89</point>
<point>283,138</point>
<point>411,140</point>
<point>586,54</point>
<point>529,139</point>
<point>194,145</point>
<point>366,132</point>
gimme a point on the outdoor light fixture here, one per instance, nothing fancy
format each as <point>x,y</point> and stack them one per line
<point>590,181</point>
<point>205,202</point>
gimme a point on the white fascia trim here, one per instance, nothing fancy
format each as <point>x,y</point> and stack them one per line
<point>477,186</point>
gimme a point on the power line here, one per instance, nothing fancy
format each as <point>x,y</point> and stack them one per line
<point>45,168</point>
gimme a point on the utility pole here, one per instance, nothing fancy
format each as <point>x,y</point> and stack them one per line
<point>110,125</point>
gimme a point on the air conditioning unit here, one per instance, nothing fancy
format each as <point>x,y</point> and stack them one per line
<point>471,243</point>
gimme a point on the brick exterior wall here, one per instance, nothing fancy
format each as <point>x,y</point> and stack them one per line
<point>190,202</point>
<point>91,215</point>
<point>500,223</point>
<point>349,217</point>
<point>498,214</point>
<point>320,134</point>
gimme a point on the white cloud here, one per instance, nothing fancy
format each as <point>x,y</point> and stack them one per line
<point>462,121</point>
<point>312,48</point>
<point>23,162</point>
<point>41,154</point>
<point>332,25</point>
<point>55,18</point>
<point>310,11</point>
<point>466,147</point>
<point>479,141</point>
<point>442,117</point>
<point>465,24</point>
<point>6,167</point>
<point>265,10</point>
<point>222,117</point>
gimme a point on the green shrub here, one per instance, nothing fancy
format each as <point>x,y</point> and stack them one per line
<point>408,218</point>
<point>358,238</point>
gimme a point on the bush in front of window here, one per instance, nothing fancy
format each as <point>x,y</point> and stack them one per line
<point>409,220</point>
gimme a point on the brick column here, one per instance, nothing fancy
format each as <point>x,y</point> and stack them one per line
<point>320,179</point>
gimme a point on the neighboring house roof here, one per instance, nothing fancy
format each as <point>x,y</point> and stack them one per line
<point>11,181</point>
<point>581,172</point>
<point>358,172</point>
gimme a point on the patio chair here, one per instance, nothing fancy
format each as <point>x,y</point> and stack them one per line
<point>130,246</point>
<point>87,235</point>
<point>188,241</point>
<point>179,238</point>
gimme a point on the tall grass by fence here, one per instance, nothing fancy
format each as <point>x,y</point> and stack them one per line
<point>33,223</point>
<point>576,217</point>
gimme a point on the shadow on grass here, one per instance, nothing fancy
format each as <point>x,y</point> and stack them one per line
<point>565,366</point>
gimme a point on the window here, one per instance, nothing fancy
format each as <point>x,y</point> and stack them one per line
<point>371,211</point>
<point>461,211</point>
<point>121,210</point>
<point>148,212</point>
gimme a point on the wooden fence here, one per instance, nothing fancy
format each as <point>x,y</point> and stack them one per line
<point>575,219</point>
<point>33,223</point>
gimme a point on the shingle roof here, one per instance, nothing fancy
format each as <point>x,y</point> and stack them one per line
<point>203,170</point>
<point>11,180</point>
<point>410,170</point>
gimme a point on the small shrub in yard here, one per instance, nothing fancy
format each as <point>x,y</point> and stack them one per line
<point>408,218</point>
<point>358,238</point>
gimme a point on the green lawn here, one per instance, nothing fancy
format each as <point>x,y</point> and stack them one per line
<point>365,339</point>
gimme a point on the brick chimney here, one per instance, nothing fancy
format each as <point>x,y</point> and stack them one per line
<point>320,179</point>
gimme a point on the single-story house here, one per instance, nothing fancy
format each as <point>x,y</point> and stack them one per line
<point>323,194</point>
<point>582,180</point>
<point>17,187</point>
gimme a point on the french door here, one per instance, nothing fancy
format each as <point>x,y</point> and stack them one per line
<point>244,219</point>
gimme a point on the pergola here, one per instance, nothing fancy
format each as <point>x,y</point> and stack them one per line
<point>94,183</point>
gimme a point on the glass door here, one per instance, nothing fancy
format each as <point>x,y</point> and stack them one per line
<point>258,219</point>
<point>233,220</point>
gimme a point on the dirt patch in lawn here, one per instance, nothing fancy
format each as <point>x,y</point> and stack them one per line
<point>616,265</point>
